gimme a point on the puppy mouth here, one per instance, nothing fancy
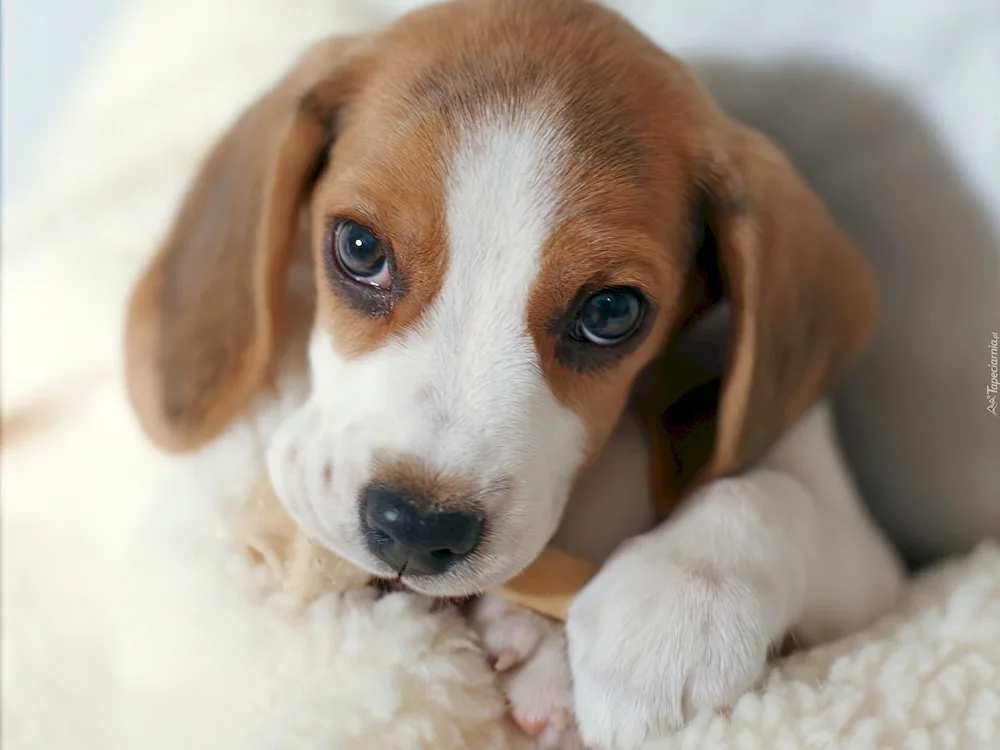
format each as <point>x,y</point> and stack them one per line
<point>399,584</point>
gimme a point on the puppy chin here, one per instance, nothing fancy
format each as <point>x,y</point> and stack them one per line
<point>452,585</point>
<point>479,574</point>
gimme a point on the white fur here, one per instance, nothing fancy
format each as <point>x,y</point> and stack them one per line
<point>611,502</point>
<point>681,618</point>
<point>463,392</point>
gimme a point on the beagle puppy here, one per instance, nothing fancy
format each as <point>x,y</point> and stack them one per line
<point>494,251</point>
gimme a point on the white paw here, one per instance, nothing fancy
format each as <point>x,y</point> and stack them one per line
<point>653,640</point>
<point>528,652</point>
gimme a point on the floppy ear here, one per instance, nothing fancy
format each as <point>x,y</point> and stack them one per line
<point>801,304</point>
<point>202,320</point>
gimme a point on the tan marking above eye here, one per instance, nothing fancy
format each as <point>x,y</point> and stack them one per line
<point>598,394</point>
<point>377,183</point>
<point>621,244</point>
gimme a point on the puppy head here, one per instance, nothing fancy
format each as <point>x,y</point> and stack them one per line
<point>515,209</point>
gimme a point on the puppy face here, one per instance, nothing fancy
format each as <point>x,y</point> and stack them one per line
<point>502,200</point>
<point>489,285</point>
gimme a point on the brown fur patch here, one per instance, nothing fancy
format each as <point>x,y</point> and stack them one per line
<point>436,488</point>
<point>391,181</point>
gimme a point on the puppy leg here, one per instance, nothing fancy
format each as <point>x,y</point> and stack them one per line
<point>681,618</point>
<point>611,502</point>
<point>528,652</point>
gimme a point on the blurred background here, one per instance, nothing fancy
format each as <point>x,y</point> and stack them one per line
<point>45,46</point>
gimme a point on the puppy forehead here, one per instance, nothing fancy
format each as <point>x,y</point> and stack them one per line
<point>490,127</point>
<point>450,62</point>
<point>501,202</point>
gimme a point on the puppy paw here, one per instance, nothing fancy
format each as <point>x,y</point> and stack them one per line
<point>528,653</point>
<point>653,641</point>
<point>509,633</point>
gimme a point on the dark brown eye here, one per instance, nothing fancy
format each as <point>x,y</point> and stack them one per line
<point>609,316</point>
<point>361,255</point>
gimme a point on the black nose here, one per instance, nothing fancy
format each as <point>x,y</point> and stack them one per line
<point>406,530</point>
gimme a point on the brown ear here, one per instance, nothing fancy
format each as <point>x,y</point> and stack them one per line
<point>200,333</point>
<point>802,303</point>
<point>804,299</point>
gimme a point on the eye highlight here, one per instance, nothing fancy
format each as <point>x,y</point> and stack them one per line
<point>609,316</point>
<point>360,254</point>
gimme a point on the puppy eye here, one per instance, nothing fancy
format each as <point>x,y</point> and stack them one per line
<point>609,316</point>
<point>361,255</point>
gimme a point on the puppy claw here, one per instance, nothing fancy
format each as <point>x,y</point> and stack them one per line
<point>506,659</point>
<point>529,726</point>
<point>557,728</point>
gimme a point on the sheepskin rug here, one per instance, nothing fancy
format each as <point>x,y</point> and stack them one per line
<point>129,621</point>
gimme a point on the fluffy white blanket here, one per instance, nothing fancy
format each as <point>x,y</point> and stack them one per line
<point>128,621</point>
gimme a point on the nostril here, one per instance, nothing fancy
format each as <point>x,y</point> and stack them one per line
<point>404,529</point>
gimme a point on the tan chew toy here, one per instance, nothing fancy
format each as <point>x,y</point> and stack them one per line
<point>308,570</point>
<point>550,583</point>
